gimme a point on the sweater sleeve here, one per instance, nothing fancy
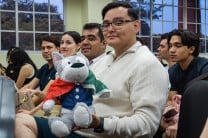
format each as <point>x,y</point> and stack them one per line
<point>148,93</point>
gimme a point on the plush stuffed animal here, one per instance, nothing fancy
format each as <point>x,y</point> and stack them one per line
<point>74,89</point>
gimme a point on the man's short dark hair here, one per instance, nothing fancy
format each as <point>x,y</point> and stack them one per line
<point>131,12</point>
<point>164,36</point>
<point>51,38</point>
<point>89,26</point>
<point>188,38</point>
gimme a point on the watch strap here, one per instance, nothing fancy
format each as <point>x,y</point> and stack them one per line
<point>100,128</point>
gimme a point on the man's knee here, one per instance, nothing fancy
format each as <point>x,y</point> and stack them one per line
<point>25,122</point>
<point>22,118</point>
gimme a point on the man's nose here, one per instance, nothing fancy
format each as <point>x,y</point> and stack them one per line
<point>45,50</point>
<point>171,49</point>
<point>85,40</point>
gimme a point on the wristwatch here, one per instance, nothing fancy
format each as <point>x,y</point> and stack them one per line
<point>100,128</point>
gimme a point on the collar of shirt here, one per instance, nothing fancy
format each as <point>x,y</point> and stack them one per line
<point>97,58</point>
<point>132,49</point>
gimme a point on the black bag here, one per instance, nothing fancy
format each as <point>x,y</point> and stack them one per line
<point>193,110</point>
<point>7,107</point>
<point>201,77</point>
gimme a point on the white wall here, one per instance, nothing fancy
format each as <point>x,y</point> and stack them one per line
<point>79,12</point>
<point>3,58</point>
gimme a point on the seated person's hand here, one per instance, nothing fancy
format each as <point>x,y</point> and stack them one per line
<point>169,121</point>
<point>171,131</point>
<point>168,118</point>
<point>36,95</point>
<point>23,90</point>
<point>35,92</point>
<point>95,123</point>
<point>31,91</point>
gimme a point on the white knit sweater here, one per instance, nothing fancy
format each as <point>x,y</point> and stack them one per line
<point>139,85</point>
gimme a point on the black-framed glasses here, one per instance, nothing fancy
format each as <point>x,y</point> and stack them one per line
<point>114,23</point>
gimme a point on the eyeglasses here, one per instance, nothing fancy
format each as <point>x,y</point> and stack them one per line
<point>115,23</point>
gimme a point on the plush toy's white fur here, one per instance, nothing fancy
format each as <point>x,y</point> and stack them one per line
<point>71,69</point>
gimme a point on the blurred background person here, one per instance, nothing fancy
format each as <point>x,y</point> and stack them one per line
<point>20,67</point>
<point>70,43</point>
<point>163,51</point>
<point>93,45</point>
<point>46,73</point>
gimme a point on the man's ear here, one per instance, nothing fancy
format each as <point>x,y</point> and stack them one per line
<point>78,47</point>
<point>191,49</point>
<point>137,26</point>
<point>104,44</point>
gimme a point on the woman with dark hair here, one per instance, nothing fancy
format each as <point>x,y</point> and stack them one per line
<point>20,67</point>
<point>70,43</point>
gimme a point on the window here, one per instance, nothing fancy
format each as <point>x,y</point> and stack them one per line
<point>25,22</point>
<point>161,16</point>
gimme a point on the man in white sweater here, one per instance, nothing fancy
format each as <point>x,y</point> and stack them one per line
<point>138,81</point>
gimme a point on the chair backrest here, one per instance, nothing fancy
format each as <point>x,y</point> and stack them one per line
<point>201,77</point>
<point>194,109</point>
<point>7,107</point>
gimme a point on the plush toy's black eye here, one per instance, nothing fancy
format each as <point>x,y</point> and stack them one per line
<point>69,62</point>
